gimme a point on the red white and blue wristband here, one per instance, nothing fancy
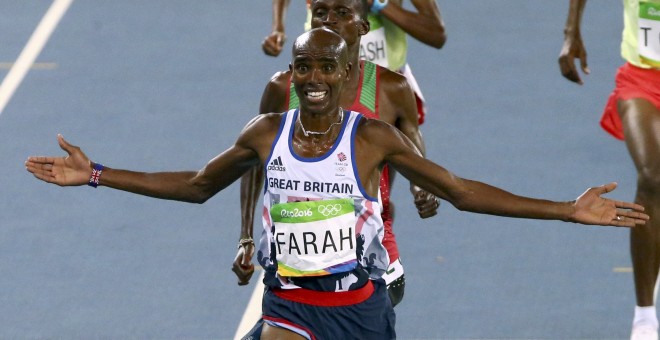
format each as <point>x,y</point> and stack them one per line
<point>96,175</point>
<point>378,6</point>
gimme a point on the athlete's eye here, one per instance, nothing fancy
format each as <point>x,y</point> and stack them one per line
<point>301,68</point>
<point>328,68</point>
<point>319,13</point>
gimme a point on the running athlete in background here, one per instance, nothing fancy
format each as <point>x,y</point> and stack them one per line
<point>374,91</point>
<point>324,258</point>
<point>386,43</point>
<point>632,113</point>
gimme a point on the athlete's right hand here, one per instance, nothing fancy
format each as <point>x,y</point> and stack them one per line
<point>242,266</point>
<point>272,44</point>
<point>75,169</point>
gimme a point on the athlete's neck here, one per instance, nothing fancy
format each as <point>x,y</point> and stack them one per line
<point>350,90</point>
<point>354,58</point>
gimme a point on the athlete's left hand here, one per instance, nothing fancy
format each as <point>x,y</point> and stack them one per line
<point>427,204</point>
<point>591,208</point>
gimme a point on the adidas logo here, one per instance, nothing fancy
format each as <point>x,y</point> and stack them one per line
<point>276,165</point>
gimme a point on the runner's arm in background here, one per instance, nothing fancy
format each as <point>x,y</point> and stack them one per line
<point>273,43</point>
<point>424,25</point>
<point>573,46</point>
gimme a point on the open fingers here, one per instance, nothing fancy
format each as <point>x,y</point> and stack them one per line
<point>629,218</point>
<point>40,168</point>
<point>65,145</point>
<point>609,187</point>
<point>629,221</point>
<point>34,160</point>
<point>631,215</point>
<point>45,176</point>
<point>628,205</point>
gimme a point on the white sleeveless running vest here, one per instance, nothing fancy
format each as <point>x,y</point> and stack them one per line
<point>317,218</point>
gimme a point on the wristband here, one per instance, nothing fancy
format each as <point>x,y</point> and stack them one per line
<point>378,6</point>
<point>96,175</point>
<point>245,241</point>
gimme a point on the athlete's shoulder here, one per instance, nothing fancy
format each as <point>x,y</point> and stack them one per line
<point>280,81</point>
<point>392,81</point>
<point>271,118</point>
<point>264,123</point>
<point>396,97</point>
<point>369,126</point>
<point>260,132</point>
<point>281,76</point>
<point>275,95</point>
<point>377,136</point>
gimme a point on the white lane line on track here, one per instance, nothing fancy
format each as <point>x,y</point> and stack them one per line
<point>35,66</point>
<point>253,310</point>
<point>31,50</point>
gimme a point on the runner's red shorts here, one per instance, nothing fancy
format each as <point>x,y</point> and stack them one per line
<point>631,82</point>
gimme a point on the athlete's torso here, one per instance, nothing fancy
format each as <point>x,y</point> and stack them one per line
<point>292,238</point>
<point>366,102</point>
<point>640,44</point>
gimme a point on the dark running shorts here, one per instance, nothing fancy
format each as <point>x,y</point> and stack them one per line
<point>328,318</point>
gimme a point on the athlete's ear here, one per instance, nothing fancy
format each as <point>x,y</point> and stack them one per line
<point>364,27</point>
<point>290,67</point>
<point>349,67</point>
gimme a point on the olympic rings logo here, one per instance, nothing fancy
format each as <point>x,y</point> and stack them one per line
<point>329,210</point>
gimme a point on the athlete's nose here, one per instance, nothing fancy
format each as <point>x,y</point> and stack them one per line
<point>314,76</point>
<point>330,18</point>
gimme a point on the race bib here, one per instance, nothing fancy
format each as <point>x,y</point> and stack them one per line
<point>373,46</point>
<point>314,238</point>
<point>649,33</point>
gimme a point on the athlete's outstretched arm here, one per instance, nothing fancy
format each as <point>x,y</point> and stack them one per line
<point>424,25</point>
<point>188,186</point>
<point>272,44</point>
<point>468,195</point>
<point>573,46</point>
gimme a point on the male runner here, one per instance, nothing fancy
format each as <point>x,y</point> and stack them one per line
<point>371,90</point>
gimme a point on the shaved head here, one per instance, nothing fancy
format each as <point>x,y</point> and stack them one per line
<point>321,39</point>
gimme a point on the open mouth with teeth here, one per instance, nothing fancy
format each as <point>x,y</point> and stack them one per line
<point>316,96</point>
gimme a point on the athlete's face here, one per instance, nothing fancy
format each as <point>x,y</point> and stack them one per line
<point>319,70</point>
<point>341,16</point>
